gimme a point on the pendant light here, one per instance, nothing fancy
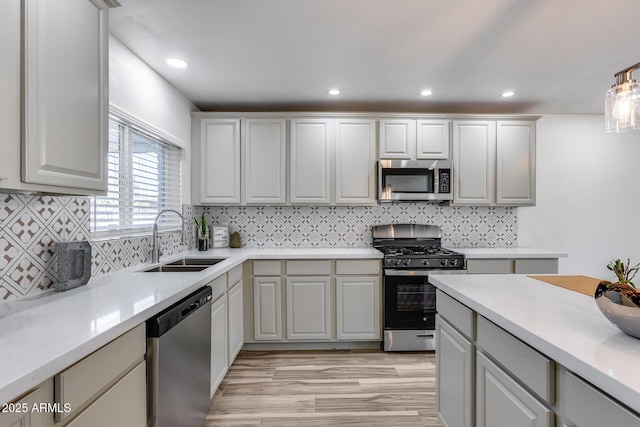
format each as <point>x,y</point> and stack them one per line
<point>622,102</point>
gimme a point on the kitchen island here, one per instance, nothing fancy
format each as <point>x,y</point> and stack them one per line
<point>577,346</point>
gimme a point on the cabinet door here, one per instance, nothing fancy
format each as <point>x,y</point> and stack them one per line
<point>236,313</point>
<point>355,162</point>
<point>264,161</point>
<point>267,315</point>
<point>398,139</point>
<point>219,353</point>
<point>312,143</point>
<point>432,139</point>
<point>65,81</point>
<point>474,155</point>
<point>123,404</point>
<point>454,376</point>
<point>220,161</point>
<point>502,402</point>
<point>308,307</point>
<point>358,307</point>
<point>19,413</point>
<point>515,163</point>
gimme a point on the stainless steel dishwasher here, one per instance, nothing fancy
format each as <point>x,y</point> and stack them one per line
<point>179,362</point>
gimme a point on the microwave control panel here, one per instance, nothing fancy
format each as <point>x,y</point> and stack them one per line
<point>444,180</point>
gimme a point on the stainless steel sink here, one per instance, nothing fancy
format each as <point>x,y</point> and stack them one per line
<point>185,265</point>
<point>196,261</point>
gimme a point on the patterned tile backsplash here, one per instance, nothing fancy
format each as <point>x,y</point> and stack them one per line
<point>30,224</point>
<point>350,226</point>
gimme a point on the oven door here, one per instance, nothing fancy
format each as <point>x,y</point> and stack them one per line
<point>409,299</point>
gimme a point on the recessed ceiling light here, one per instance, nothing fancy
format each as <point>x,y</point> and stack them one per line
<point>177,63</point>
<point>426,92</point>
<point>507,94</point>
<point>334,92</point>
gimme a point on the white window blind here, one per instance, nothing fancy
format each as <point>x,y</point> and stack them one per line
<point>144,178</point>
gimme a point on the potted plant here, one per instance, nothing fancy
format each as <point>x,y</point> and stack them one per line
<point>203,233</point>
<point>620,301</point>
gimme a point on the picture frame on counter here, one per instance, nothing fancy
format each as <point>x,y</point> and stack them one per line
<point>220,235</point>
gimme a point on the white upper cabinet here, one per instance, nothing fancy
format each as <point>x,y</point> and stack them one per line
<point>515,163</point>
<point>474,162</point>
<point>432,139</point>
<point>406,139</point>
<point>494,162</point>
<point>355,161</point>
<point>59,143</point>
<point>312,143</point>
<point>264,154</point>
<point>219,161</point>
<point>398,139</point>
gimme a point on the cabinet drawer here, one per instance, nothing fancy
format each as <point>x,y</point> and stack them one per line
<point>266,268</point>
<point>309,268</point>
<point>457,314</point>
<point>536,266</point>
<point>234,275</point>
<point>587,406</point>
<point>357,266</point>
<point>218,286</point>
<point>525,363</point>
<point>489,266</point>
<point>82,381</point>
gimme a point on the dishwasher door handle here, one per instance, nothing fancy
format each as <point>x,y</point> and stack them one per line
<point>190,309</point>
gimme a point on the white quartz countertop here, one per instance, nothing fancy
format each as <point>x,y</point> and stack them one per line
<point>566,326</point>
<point>516,252</point>
<point>44,334</point>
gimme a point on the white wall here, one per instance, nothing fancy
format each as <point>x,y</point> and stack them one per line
<point>588,194</point>
<point>140,92</point>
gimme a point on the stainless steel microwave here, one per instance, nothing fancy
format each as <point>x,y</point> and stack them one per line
<point>413,180</point>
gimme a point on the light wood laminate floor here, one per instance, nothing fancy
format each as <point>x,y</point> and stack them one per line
<point>327,388</point>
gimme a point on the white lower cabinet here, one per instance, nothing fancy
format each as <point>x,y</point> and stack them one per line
<point>321,300</point>
<point>106,388</point>
<point>124,404</point>
<point>19,413</point>
<point>502,402</point>
<point>513,266</point>
<point>586,406</point>
<point>454,376</point>
<point>267,302</point>
<point>358,307</point>
<point>219,353</point>
<point>308,307</point>
<point>236,337</point>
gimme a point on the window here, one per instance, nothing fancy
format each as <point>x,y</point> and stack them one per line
<point>144,178</point>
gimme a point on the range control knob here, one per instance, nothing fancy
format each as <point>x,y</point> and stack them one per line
<point>425,262</point>
<point>406,262</point>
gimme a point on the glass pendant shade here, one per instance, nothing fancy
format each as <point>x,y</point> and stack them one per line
<point>622,112</point>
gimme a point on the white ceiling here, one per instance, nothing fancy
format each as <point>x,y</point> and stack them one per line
<point>559,56</point>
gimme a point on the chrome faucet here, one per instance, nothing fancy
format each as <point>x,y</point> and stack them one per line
<point>155,251</point>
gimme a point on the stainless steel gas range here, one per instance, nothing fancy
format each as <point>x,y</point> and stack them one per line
<point>411,253</point>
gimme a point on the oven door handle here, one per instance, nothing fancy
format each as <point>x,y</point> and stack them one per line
<point>424,336</point>
<point>392,272</point>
